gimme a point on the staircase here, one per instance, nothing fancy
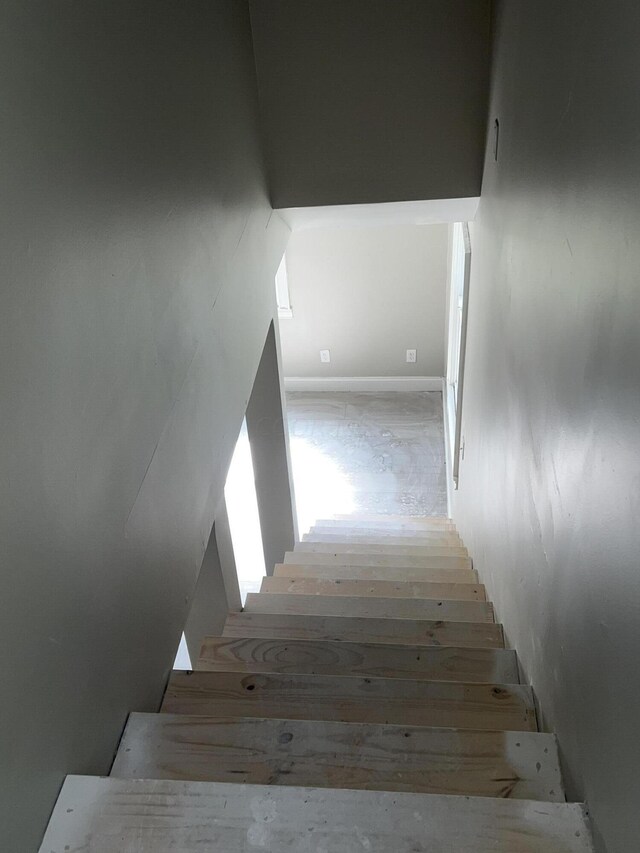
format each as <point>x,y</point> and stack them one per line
<point>362,701</point>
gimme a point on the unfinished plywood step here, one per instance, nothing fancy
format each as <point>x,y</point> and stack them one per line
<point>333,557</point>
<point>400,550</point>
<point>410,537</point>
<point>376,520</point>
<point>375,608</point>
<point>389,543</point>
<point>362,630</point>
<point>356,571</point>
<point>487,707</point>
<point>326,657</point>
<point>381,530</point>
<point>374,589</point>
<point>158,815</point>
<point>517,765</point>
<point>388,522</point>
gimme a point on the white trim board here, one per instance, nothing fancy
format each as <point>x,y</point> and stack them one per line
<point>363,383</point>
<point>448,408</point>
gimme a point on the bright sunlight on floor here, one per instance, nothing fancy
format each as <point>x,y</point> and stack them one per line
<point>367,452</point>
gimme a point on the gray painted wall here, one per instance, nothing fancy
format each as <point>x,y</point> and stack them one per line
<point>269,443</point>
<point>550,483</point>
<point>367,295</point>
<point>137,262</point>
<point>372,100</point>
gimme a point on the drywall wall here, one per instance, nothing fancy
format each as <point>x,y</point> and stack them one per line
<point>372,100</point>
<point>549,485</point>
<point>367,295</point>
<point>209,603</point>
<point>138,251</point>
<point>269,440</point>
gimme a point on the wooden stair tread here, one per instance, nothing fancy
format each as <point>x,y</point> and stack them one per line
<point>383,533</point>
<point>381,545</point>
<point>154,815</point>
<point>353,628</point>
<point>381,530</point>
<point>369,589</point>
<point>431,540</point>
<point>326,657</point>
<point>376,519</point>
<point>378,608</point>
<point>518,765</point>
<point>396,561</point>
<point>487,707</point>
<point>375,573</point>
<point>440,549</point>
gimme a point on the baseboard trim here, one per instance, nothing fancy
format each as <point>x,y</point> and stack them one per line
<point>363,383</point>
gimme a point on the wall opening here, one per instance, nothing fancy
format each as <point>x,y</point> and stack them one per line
<point>183,658</point>
<point>283,299</point>
<point>244,518</point>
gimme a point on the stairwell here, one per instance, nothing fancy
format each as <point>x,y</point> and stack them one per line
<point>363,700</point>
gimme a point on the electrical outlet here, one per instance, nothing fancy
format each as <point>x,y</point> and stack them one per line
<point>325,356</point>
<point>412,356</point>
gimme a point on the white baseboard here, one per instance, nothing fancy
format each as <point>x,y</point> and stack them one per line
<point>363,383</point>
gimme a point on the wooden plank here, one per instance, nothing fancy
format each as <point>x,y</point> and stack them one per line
<point>354,629</point>
<point>340,755</point>
<point>437,546</point>
<point>442,549</point>
<point>410,574</point>
<point>377,519</point>
<point>384,589</point>
<point>375,530</point>
<point>333,557</point>
<point>328,657</point>
<point>403,702</point>
<point>407,536</point>
<point>383,527</point>
<point>157,816</point>
<point>373,608</point>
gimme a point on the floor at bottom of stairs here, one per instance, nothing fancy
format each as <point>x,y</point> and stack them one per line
<point>379,452</point>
